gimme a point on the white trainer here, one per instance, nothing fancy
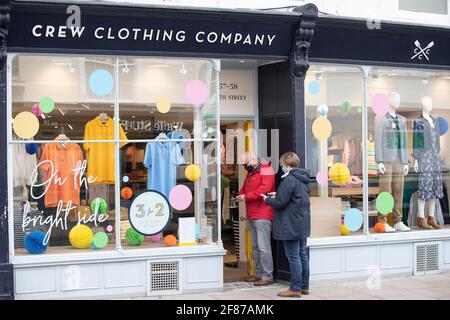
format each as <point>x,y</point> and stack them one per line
<point>399,226</point>
<point>388,228</point>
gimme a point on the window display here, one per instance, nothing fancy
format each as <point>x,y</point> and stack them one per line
<point>86,144</point>
<point>407,149</point>
<point>408,109</point>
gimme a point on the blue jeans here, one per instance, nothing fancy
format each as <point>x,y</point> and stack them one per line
<point>298,263</point>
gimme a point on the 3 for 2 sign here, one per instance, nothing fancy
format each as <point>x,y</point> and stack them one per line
<point>149,212</point>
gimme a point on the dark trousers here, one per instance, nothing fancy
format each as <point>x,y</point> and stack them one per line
<point>298,263</point>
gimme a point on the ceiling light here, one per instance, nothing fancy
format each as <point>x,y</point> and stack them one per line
<point>70,126</point>
<point>71,68</point>
<point>319,76</point>
<point>61,111</point>
<point>49,116</point>
<point>85,106</point>
<point>125,68</point>
<point>425,81</point>
<point>183,69</point>
<point>242,61</point>
<point>78,111</point>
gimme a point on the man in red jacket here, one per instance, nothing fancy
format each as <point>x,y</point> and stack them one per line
<point>260,180</point>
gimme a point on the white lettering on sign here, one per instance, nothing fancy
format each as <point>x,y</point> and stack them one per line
<point>164,35</point>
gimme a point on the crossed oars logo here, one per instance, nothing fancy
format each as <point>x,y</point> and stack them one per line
<point>419,52</point>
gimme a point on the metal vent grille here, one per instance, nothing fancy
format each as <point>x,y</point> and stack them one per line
<point>164,277</point>
<point>426,258</point>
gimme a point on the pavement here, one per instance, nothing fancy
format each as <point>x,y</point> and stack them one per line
<point>429,287</point>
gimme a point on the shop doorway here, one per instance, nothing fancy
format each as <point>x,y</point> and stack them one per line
<point>235,236</point>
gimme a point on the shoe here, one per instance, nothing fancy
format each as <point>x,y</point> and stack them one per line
<point>388,228</point>
<point>263,282</point>
<point>422,224</point>
<point>400,226</point>
<point>290,294</point>
<point>432,222</point>
<point>252,279</point>
<point>305,291</point>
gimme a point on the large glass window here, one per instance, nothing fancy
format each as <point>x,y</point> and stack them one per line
<point>334,101</point>
<point>89,135</point>
<point>408,124</point>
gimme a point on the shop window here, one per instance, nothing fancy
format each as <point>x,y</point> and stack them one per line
<point>73,121</point>
<point>408,120</point>
<point>334,102</point>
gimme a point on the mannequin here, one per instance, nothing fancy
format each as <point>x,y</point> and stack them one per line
<point>392,159</point>
<point>427,165</point>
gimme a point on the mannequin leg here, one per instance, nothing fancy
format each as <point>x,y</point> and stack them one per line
<point>421,221</point>
<point>431,206</point>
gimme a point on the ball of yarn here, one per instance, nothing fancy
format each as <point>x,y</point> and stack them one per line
<point>170,240</point>
<point>192,172</point>
<point>126,193</point>
<point>339,174</point>
<point>379,227</point>
<point>99,205</point>
<point>133,238</point>
<point>33,242</point>
<point>100,240</point>
<point>36,109</point>
<point>31,148</point>
<point>155,238</point>
<point>344,230</point>
<point>81,236</point>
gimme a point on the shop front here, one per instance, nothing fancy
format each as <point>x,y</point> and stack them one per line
<point>112,147</point>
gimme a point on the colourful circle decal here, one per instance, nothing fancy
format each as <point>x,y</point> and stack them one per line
<point>100,240</point>
<point>353,219</point>
<point>321,128</point>
<point>180,197</point>
<point>322,110</point>
<point>380,104</point>
<point>101,82</point>
<point>46,104</point>
<point>125,179</point>
<point>322,177</point>
<point>196,92</point>
<point>26,125</point>
<point>339,174</point>
<point>163,105</point>
<point>314,87</point>
<point>210,130</point>
<point>385,203</point>
<point>443,125</point>
<point>204,135</point>
<point>346,106</point>
<point>359,109</point>
<point>109,228</point>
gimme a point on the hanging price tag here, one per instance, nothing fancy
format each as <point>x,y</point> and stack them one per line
<point>149,213</point>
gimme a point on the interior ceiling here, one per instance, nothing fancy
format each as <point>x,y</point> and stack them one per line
<point>245,63</point>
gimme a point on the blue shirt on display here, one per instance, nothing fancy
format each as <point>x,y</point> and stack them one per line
<point>161,160</point>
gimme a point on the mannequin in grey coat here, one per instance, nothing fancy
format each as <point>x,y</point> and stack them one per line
<point>391,143</point>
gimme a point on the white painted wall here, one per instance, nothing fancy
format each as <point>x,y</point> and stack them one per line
<point>367,9</point>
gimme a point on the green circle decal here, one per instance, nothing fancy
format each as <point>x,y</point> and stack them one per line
<point>46,104</point>
<point>385,203</point>
<point>100,240</point>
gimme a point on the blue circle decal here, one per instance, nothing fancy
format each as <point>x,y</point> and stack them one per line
<point>314,87</point>
<point>101,82</point>
<point>353,219</point>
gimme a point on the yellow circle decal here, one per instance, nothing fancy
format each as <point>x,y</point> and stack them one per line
<point>321,128</point>
<point>26,125</point>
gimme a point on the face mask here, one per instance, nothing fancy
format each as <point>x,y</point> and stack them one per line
<point>284,169</point>
<point>248,168</point>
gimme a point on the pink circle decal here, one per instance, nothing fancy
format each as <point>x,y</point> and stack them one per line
<point>322,177</point>
<point>180,197</point>
<point>36,110</point>
<point>109,228</point>
<point>196,92</point>
<point>380,104</point>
